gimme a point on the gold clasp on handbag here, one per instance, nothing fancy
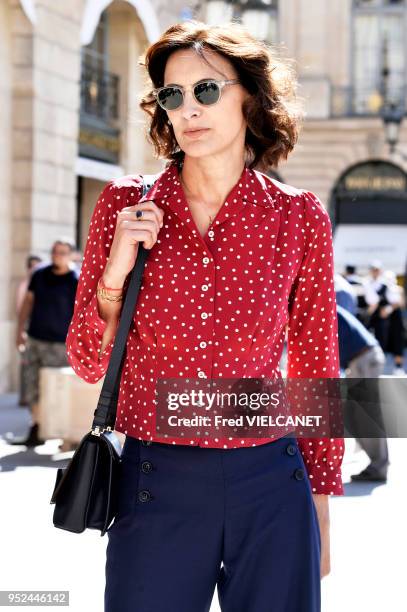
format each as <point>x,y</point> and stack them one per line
<point>96,431</point>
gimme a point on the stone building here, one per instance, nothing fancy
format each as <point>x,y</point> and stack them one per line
<point>70,120</point>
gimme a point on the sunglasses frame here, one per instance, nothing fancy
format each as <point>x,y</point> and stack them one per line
<point>220,84</point>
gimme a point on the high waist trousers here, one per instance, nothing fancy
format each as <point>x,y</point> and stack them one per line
<point>192,519</point>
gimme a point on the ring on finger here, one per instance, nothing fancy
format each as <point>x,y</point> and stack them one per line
<point>139,214</point>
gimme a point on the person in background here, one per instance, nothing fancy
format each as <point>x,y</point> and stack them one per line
<point>48,306</point>
<point>405,282</point>
<point>351,275</point>
<point>396,331</point>
<point>345,294</point>
<point>384,300</point>
<point>32,262</point>
<point>361,356</point>
<point>358,286</point>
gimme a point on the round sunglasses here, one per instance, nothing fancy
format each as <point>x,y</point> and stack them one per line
<point>206,92</point>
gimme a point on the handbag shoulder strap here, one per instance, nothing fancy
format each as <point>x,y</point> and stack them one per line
<point>105,413</point>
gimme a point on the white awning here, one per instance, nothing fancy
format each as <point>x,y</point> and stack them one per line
<point>360,244</point>
<point>101,171</point>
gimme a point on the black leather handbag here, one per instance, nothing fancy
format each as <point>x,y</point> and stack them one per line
<point>85,491</point>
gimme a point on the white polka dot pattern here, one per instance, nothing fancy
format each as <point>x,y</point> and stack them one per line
<point>218,306</point>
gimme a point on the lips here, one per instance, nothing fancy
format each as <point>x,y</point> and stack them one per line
<point>195,134</point>
<point>192,131</point>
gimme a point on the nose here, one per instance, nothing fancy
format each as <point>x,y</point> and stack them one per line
<point>190,107</point>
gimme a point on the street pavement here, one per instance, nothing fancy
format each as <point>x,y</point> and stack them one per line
<point>368,533</point>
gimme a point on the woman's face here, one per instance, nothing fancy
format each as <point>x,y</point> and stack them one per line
<point>224,119</point>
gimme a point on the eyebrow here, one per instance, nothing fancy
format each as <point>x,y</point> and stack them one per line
<point>200,80</point>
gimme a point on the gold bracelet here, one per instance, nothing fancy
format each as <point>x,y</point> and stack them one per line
<point>103,293</point>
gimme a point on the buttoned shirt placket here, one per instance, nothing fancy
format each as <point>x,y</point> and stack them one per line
<point>232,207</point>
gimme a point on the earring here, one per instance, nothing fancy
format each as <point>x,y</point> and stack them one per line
<point>169,122</point>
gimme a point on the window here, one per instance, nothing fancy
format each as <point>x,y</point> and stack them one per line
<point>260,18</point>
<point>95,54</point>
<point>379,27</point>
<point>99,88</point>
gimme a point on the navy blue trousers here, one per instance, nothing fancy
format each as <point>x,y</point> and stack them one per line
<point>192,519</point>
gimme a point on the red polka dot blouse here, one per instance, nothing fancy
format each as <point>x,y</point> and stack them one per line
<point>218,306</point>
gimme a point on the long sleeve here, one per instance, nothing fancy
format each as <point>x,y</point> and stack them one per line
<point>312,339</point>
<point>86,329</point>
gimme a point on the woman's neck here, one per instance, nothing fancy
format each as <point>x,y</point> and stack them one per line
<point>209,183</point>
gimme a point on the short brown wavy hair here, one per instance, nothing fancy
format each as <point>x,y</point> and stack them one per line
<point>273,111</point>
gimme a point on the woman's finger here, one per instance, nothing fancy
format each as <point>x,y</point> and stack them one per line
<point>135,231</point>
<point>148,215</point>
<point>149,205</point>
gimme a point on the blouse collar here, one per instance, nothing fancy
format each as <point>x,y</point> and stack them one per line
<point>251,188</point>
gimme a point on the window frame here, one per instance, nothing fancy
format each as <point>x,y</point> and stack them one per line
<point>273,9</point>
<point>381,10</point>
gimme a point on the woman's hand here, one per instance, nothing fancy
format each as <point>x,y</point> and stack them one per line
<point>322,506</point>
<point>129,231</point>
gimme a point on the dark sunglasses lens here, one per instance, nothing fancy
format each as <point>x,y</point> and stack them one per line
<point>170,98</point>
<point>207,93</point>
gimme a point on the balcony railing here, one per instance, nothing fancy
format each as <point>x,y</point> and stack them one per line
<point>99,116</point>
<point>100,94</point>
<point>351,101</point>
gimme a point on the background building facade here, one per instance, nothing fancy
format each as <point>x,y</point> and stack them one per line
<point>70,119</point>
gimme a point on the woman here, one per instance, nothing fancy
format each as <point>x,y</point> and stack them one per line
<point>234,257</point>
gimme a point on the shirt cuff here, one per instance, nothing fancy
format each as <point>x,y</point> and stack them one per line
<point>325,481</point>
<point>91,317</point>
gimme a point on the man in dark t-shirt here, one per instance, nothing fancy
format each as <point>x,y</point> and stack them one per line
<point>48,306</point>
<point>54,298</point>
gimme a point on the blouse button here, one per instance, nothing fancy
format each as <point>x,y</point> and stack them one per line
<point>146,467</point>
<point>144,495</point>
<point>204,315</point>
<point>204,287</point>
<point>211,233</point>
<point>201,374</point>
<point>202,344</point>
<point>205,260</point>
